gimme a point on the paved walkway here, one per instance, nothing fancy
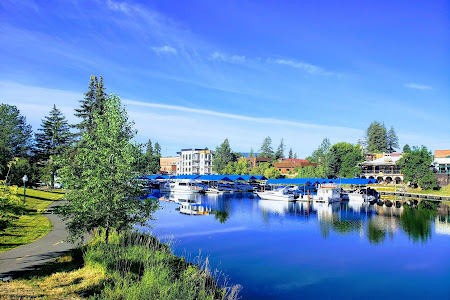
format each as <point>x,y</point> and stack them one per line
<point>19,261</point>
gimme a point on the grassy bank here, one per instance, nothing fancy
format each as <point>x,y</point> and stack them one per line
<point>33,224</point>
<point>131,266</point>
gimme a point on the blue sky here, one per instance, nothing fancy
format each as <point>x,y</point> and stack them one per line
<point>193,73</point>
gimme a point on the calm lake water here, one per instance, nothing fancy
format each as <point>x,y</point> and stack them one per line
<point>279,250</point>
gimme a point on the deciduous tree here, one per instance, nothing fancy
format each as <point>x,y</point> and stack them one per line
<point>102,189</point>
<point>415,166</point>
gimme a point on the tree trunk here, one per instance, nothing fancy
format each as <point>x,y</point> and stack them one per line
<point>107,235</point>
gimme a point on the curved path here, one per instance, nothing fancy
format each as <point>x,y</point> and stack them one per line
<point>18,261</point>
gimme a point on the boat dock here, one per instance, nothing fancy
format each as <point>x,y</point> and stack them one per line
<point>416,195</point>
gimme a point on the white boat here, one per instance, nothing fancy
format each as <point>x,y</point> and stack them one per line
<point>279,195</point>
<point>362,195</point>
<point>189,208</point>
<point>328,193</point>
<point>183,186</point>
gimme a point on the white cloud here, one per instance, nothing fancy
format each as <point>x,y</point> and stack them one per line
<point>235,59</point>
<point>165,50</point>
<point>309,68</point>
<point>418,86</point>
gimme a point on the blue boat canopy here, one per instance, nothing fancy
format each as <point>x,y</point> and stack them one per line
<point>214,178</point>
<point>356,181</point>
<point>289,181</point>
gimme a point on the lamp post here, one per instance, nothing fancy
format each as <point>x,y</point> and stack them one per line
<point>24,179</point>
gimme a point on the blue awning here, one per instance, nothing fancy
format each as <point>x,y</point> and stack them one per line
<point>355,181</point>
<point>290,181</point>
<point>186,177</point>
<point>214,178</point>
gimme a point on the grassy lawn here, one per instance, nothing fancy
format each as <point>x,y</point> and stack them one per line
<point>32,225</point>
<point>131,266</point>
<point>444,191</point>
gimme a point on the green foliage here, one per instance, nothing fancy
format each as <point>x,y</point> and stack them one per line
<point>24,167</point>
<point>290,153</point>
<point>376,231</point>
<point>267,170</point>
<point>406,149</point>
<point>266,148</point>
<point>392,140</point>
<point>157,150</point>
<point>53,140</point>
<point>147,162</point>
<point>376,136</point>
<point>102,189</point>
<point>15,136</point>
<point>280,151</point>
<point>321,154</point>
<point>310,172</point>
<point>240,167</point>
<point>415,166</point>
<point>343,160</point>
<point>93,102</point>
<point>8,200</point>
<point>223,157</point>
<point>251,154</point>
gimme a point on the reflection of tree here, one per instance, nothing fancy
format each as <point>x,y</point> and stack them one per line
<point>339,226</point>
<point>376,232</point>
<point>222,216</point>
<point>417,222</point>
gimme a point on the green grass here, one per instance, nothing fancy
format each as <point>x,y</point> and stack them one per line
<point>33,224</point>
<point>131,266</point>
<point>443,191</point>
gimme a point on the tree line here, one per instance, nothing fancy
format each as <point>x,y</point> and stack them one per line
<point>37,153</point>
<point>97,164</point>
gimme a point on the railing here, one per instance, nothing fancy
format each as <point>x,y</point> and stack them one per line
<point>384,172</point>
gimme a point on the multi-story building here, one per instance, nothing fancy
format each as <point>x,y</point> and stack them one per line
<point>168,165</point>
<point>441,165</point>
<point>194,162</point>
<point>255,161</point>
<point>383,167</point>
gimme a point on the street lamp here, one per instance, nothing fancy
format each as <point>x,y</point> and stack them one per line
<point>24,179</point>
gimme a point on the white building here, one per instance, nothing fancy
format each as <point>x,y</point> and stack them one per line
<point>194,162</point>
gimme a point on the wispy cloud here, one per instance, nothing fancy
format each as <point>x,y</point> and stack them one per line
<point>220,56</point>
<point>270,121</point>
<point>418,86</point>
<point>165,50</point>
<point>307,67</point>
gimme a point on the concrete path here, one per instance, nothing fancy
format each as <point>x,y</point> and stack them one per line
<point>19,261</point>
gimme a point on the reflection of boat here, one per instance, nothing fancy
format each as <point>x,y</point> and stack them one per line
<point>279,207</point>
<point>190,208</point>
<point>325,210</point>
<point>328,193</point>
<point>279,195</point>
<point>183,186</point>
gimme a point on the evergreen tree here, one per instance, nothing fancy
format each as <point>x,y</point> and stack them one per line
<point>295,155</point>
<point>280,151</point>
<point>406,149</point>
<point>149,149</point>
<point>290,153</point>
<point>102,189</point>
<point>93,102</point>
<point>222,157</point>
<point>251,154</point>
<point>266,148</point>
<point>157,150</point>
<point>53,139</point>
<point>376,137</point>
<point>392,140</point>
<point>15,136</point>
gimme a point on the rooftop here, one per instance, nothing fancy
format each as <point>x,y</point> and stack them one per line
<point>442,153</point>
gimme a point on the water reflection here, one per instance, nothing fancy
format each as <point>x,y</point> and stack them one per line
<point>374,221</point>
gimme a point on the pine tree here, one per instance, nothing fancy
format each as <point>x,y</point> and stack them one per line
<point>406,149</point>
<point>149,149</point>
<point>222,157</point>
<point>376,137</point>
<point>53,140</point>
<point>266,148</point>
<point>280,151</point>
<point>295,156</point>
<point>392,140</point>
<point>157,150</point>
<point>251,154</point>
<point>93,102</point>
<point>290,153</point>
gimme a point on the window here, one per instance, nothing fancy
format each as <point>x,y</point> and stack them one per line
<point>189,156</point>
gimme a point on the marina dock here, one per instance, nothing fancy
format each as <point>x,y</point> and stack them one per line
<point>416,195</point>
